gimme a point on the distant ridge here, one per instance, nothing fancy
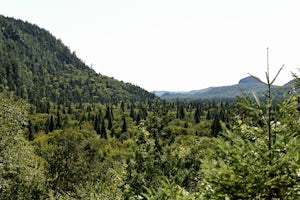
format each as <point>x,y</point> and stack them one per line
<point>244,87</point>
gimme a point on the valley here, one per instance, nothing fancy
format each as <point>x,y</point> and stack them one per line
<point>67,132</point>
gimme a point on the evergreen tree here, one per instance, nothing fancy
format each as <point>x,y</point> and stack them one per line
<point>108,112</point>
<point>180,112</point>
<point>103,130</point>
<point>69,108</point>
<point>208,115</point>
<point>132,114</point>
<point>124,126</point>
<point>51,124</point>
<point>123,106</point>
<point>216,126</point>
<point>197,115</point>
<point>97,122</point>
<point>110,124</point>
<point>112,112</point>
<point>138,118</point>
<point>48,107</point>
<point>58,120</point>
<point>30,131</point>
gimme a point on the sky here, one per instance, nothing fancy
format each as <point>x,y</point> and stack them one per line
<point>175,45</point>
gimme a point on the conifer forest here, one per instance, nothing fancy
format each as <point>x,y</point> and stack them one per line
<point>67,132</point>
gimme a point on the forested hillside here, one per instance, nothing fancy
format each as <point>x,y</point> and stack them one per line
<point>38,67</point>
<point>69,133</point>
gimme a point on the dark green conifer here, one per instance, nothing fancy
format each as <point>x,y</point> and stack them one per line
<point>58,120</point>
<point>103,130</point>
<point>181,113</point>
<point>208,115</point>
<point>216,126</point>
<point>197,115</point>
<point>97,124</point>
<point>51,124</point>
<point>110,124</point>
<point>122,106</point>
<point>124,126</point>
<point>30,131</point>
<point>132,114</point>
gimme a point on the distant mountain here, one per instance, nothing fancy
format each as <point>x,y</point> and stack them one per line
<point>245,86</point>
<point>248,80</point>
<point>36,66</point>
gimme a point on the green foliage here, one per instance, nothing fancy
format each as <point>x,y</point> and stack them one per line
<point>21,171</point>
<point>72,158</point>
<point>259,157</point>
<point>160,154</point>
<point>167,190</point>
<point>240,167</point>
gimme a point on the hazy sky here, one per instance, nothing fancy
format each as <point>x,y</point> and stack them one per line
<point>173,44</point>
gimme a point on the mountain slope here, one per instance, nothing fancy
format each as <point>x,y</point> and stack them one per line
<point>245,86</point>
<point>36,66</point>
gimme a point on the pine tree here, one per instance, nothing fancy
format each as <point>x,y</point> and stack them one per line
<point>132,114</point>
<point>108,112</point>
<point>30,131</point>
<point>124,126</point>
<point>216,126</point>
<point>197,115</point>
<point>51,124</point>
<point>110,124</point>
<point>112,112</point>
<point>97,122</point>
<point>69,108</point>
<point>123,106</point>
<point>138,118</point>
<point>48,107</point>
<point>103,130</point>
<point>58,120</point>
<point>208,115</point>
<point>180,112</point>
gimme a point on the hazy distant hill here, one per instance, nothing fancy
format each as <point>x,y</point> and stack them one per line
<point>36,66</point>
<point>248,80</point>
<point>245,86</point>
